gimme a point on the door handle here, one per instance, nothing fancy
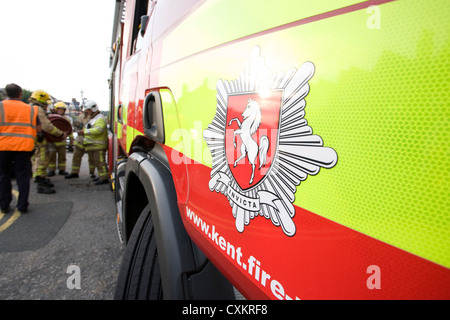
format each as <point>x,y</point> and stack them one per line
<point>152,114</point>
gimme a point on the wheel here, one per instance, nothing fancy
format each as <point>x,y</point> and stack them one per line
<point>119,182</point>
<point>139,275</point>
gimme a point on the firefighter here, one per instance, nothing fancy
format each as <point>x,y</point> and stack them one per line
<point>40,98</point>
<point>96,140</point>
<point>60,147</point>
<point>79,150</point>
<point>18,127</point>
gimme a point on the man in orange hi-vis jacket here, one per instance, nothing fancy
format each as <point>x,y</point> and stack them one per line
<point>18,127</point>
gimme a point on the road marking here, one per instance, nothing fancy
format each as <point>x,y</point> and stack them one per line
<point>13,218</point>
<point>10,221</point>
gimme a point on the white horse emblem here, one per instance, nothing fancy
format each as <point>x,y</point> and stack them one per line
<point>276,103</point>
<point>249,147</point>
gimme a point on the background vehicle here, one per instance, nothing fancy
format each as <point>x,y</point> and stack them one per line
<point>349,197</point>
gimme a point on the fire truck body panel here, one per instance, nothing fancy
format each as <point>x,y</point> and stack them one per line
<point>349,194</point>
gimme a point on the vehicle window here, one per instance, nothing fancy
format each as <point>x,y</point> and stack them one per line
<point>141,10</point>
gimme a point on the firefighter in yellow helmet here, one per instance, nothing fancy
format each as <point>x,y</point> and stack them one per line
<point>58,155</point>
<point>40,98</point>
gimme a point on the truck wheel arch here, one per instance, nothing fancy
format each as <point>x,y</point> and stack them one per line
<point>184,269</point>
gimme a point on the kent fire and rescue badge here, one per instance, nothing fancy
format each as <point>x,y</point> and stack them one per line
<point>261,145</point>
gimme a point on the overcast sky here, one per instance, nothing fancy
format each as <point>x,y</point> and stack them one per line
<point>59,46</point>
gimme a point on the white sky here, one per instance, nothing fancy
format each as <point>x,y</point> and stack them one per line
<point>59,46</point>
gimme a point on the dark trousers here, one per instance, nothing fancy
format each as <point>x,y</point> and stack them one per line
<point>19,163</point>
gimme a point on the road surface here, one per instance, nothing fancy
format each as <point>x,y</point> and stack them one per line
<point>66,247</point>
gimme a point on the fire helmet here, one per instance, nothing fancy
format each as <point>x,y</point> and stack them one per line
<point>91,105</point>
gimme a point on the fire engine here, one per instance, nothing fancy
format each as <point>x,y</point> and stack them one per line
<point>286,149</point>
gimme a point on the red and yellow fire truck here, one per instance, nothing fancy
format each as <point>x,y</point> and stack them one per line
<point>288,149</point>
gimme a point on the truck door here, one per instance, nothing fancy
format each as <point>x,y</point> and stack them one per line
<point>132,44</point>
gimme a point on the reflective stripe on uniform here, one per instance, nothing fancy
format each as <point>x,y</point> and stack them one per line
<point>19,135</point>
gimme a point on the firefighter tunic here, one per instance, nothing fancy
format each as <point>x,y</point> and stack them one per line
<point>44,148</point>
<point>96,142</point>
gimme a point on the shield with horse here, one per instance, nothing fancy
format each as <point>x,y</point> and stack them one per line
<point>252,135</point>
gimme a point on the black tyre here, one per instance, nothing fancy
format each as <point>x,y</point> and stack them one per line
<point>119,181</point>
<point>139,275</point>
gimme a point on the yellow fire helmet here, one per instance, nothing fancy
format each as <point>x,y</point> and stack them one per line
<point>60,104</point>
<point>40,96</point>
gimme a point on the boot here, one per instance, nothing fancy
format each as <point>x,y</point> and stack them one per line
<point>72,175</point>
<point>39,179</point>
<point>42,188</point>
<point>101,181</point>
<point>51,173</point>
<point>63,173</point>
<point>47,182</point>
<point>6,210</point>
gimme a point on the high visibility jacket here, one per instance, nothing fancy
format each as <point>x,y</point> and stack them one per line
<point>95,134</point>
<point>17,126</point>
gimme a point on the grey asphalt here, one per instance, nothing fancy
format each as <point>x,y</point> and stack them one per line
<point>73,227</point>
